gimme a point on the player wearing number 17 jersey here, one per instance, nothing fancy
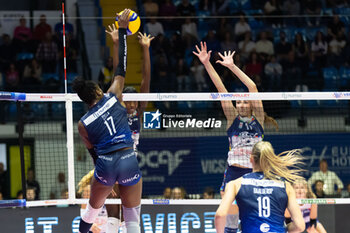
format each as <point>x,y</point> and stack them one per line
<point>263,195</point>
<point>106,134</point>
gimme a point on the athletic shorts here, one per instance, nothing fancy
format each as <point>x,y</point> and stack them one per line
<point>232,173</point>
<point>119,166</point>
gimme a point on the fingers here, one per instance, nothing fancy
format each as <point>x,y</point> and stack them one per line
<point>233,53</point>
<point>209,53</point>
<point>110,28</point>
<point>114,28</point>
<point>197,54</point>
<point>222,57</point>
<point>151,38</point>
<point>220,62</point>
<point>198,50</point>
<point>125,14</point>
<point>205,46</point>
<point>202,48</point>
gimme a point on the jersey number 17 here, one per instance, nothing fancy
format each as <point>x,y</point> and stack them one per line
<point>110,126</point>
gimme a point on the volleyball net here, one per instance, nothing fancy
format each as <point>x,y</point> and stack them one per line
<point>183,142</point>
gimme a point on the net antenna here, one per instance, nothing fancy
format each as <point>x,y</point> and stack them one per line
<point>64,49</point>
<point>69,119</point>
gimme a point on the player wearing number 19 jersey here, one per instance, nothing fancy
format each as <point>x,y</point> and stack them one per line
<point>261,203</point>
<point>264,195</point>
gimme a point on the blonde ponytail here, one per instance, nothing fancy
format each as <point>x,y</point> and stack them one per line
<point>85,181</point>
<point>274,166</point>
<point>270,121</point>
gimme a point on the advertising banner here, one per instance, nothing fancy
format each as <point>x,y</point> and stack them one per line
<point>154,219</point>
<point>197,162</point>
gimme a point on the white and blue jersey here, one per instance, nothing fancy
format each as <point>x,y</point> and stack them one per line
<point>243,134</point>
<point>135,126</point>
<point>107,125</point>
<point>306,210</point>
<point>261,204</point>
<point>108,131</point>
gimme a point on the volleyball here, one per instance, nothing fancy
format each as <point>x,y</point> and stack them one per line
<point>134,23</point>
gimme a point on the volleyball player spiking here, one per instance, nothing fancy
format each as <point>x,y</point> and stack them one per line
<point>135,110</point>
<point>105,131</point>
<point>245,124</point>
<point>263,195</point>
<point>309,211</point>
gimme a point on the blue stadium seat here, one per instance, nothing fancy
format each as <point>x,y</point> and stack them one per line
<point>234,6</point>
<point>245,4</point>
<point>183,105</point>
<point>344,76</point>
<point>47,76</point>
<point>59,110</point>
<point>288,31</point>
<point>295,103</point>
<point>312,31</point>
<point>330,75</point>
<point>329,103</point>
<point>188,57</point>
<point>195,3</point>
<point>11,109</point>
<point>200,105</point>
<point>39,109</point>
<point>176,2</point>
<point>344,15</point>
<point>294,31</point>
<point>24,56</point>
<point>71,77</point>
<point>327,11</point>
<point>311,103</point>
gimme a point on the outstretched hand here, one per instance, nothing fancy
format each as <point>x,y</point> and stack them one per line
<point>227,59</point>
<point>123,19</point>
<point>113,31</point>
<point>202,53</point>
<point>145,40</point>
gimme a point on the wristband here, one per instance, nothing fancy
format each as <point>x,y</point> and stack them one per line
<point>122,54</point>
<point>313,222</point>
<point>288,220</point>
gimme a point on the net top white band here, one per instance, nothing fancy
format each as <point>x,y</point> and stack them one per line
<point>321,201</point>
<point>45,97</point>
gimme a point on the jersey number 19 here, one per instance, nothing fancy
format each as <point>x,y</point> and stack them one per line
<point>264,206</point>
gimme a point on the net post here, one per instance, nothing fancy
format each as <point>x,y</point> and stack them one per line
<point>70,148</point>
<point>20,129</point>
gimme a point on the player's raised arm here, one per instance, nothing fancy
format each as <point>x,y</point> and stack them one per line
<point>145,41</point>
<point>298,224</point>
<point>113,32</point>
<point>227,61</point>
<point>204,56</point>
<point>119,76</point>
